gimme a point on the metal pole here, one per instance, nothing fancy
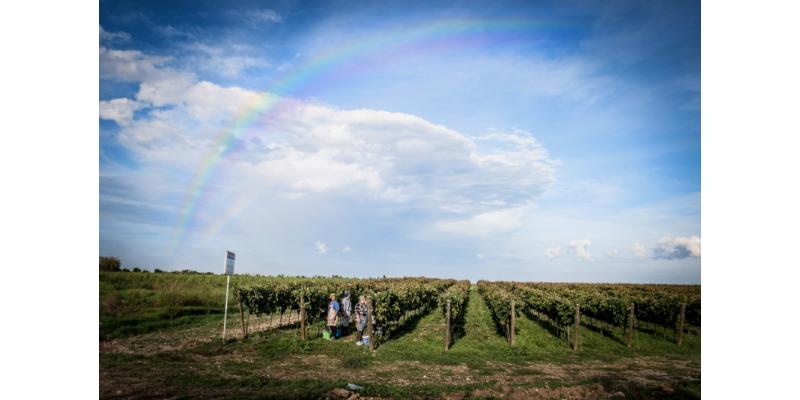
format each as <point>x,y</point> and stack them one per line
<point>225,321</point>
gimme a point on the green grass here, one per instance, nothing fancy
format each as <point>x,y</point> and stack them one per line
<point>533,342</point>
<point>269,364</point>
<point>133,303</point>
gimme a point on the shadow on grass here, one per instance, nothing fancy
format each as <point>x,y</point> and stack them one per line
<point>405,327</point>
<point>546,324</point>
<point>658,331</point>
<point>603,332</point>
<point>458,325</point>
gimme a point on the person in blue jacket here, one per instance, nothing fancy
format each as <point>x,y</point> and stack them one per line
<point>333,314</point>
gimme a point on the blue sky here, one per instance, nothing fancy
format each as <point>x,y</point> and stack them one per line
<point>555,141</point>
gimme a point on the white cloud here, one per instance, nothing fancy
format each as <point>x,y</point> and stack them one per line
<point>266,15</point>
<point>676,247</point>
<point>553,252</point>
<point>318,172</point>
<point>172,32</point>
<point>477,184</point>
<point>320,248</point>
<point>485,223</point>
<point>134,66</point>
<point>346,249</point>
<point>256,17</point>
<point>612,253</point>
<point>639,250</point>
<point>303,151</point>
<point>581,248</point>
<point>228,59</point>
<point>114,36</point>
<point>119,110</point>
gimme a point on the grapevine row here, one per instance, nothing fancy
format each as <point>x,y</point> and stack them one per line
<point>458,295</point>
<point>390,298</point>
<point>611,304</point>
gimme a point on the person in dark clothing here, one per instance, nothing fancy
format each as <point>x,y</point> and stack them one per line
<point>361,318</point>
<point>345,311</point>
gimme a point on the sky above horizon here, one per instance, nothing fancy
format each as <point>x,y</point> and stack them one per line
<point>536,141</point>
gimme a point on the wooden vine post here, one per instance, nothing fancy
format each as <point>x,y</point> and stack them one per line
<point>681,320</point>
<point>241,317</point>
<point>512,334</point>
<point>369,325</point>
<point>303,335</point>
<point>631,314</point>
<point>577,326</point>
<point>447,334</point>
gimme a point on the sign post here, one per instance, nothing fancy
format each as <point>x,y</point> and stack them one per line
<point>230,257</point>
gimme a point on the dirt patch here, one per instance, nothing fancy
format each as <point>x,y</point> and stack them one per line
<point>594,391</point>
<point>181,339</point>
<point>642,370</point>
<point>344,394</point>
<point>508,377</point>
<point>318,366</point>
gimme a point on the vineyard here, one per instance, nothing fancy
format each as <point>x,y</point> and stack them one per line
<point>390,300</point>
<point>607,306</point>
<point>448,335</point>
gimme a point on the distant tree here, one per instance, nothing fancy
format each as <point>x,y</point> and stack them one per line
<point>126,270</point>
<point>109,264</point>
<point>137,269</point>
<point>158,271</point>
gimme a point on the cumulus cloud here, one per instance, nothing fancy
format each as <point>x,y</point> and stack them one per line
<point>119,110</point>
<point>485,223</point>
<point>320,248</point>
<point>677,247</point>
<point>581,248</point>
<point>639,250</point>
<point>553,252</point>
<point>467,185</point>
<point>159,84</point>
<point>133,66</point>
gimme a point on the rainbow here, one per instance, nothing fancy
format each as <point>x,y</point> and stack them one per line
<point>452,32</point>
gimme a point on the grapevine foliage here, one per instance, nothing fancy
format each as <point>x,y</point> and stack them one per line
<point>390,298</point>
<point>610,303</point>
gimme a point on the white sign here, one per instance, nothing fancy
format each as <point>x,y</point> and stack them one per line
<point>231,257</point>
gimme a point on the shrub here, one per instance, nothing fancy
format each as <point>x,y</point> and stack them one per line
<point>137,269</point>
<point>109,264</point>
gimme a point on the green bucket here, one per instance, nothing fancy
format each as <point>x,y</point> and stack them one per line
<point>326,335</point>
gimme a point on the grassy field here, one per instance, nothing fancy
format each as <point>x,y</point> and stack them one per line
<point>160,337</point>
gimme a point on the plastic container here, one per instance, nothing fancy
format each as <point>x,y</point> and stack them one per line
<point>326,335</point>
<point>365,340</point>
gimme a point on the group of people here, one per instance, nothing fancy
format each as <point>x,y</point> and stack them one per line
<point>339,316</point>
